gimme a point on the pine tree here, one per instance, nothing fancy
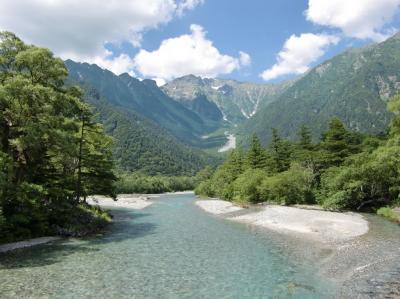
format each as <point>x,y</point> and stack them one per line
<point>305,138</point>
<point>336,143</point>
<point>280,152</point>
<point>256,156</point>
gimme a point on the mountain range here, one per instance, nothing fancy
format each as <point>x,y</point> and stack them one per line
<point>353,86</point>
<point>166,129</point>
<point>237,101</point>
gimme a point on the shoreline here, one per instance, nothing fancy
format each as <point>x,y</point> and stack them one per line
<point>318,225</point>
<point>27,243</point>
<point>128,201</point>
<point>364,264</point>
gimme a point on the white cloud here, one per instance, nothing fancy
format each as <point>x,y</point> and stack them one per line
<point>244,58</point>
<point>118,65</point>
<point>160,81</point>
<point>356,18</point>
<point>298,53</point>
<point>79,29</point>
<point>185,5</point>
<point>187,54</point>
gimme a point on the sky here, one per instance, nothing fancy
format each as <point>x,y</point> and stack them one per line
<point>247,40</point>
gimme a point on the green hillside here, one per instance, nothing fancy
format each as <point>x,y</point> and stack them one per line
<point>142,145</point>
<point>353,86</point>
<point>144,98</point>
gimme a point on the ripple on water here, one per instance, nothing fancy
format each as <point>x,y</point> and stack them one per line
<point>169,250</point>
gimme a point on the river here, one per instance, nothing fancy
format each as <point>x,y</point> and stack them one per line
<point>171,249</point>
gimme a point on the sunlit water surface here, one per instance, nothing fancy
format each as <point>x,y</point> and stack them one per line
<point>169,250</point>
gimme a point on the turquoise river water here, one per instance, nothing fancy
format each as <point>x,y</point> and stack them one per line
<point>171,249</point>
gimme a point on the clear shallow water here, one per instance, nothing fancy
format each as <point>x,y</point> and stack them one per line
<point>169,250</point>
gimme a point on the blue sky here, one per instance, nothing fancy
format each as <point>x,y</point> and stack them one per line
<point>254,40</point>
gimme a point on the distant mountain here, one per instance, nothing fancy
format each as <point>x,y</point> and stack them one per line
<point>142,145</point>
<point>353,86</point>
<point>145,99</point>
<point>237,101</point>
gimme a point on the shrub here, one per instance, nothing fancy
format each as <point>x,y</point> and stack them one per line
<point>245,187</point>
<point>140,183</point>
<point>389,213</point>
<point>205,188</point>
<point>289,187</point>
<point>368,180</point>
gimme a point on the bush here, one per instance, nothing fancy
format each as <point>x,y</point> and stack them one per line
<point>245,187</point>
<point>140,183</point>
<point>293,186</point>
<point>81,220</point>
<point>390,214</point>
<point>205,188</point>
<point>367,181</point>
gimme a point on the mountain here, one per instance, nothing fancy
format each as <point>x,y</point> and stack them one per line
<point>237,101</point>
<point>144,98</point>
<point>353,86</point>
<point>142,145</point>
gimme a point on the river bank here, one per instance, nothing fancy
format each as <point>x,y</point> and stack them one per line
<point>358,252</point>
<point>324,226</point>
<point>125,201</point>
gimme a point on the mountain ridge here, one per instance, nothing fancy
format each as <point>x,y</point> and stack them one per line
<point>353,86</point>
<point>236,100</point>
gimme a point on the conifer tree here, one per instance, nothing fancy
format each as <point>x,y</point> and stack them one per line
<point>280,152</point>
<point>305,138</point>
<point>336,143</point>
<point>256,156</point>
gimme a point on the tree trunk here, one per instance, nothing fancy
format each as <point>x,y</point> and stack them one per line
<point>79,178</point>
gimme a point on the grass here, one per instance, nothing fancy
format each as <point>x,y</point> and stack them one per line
<point>389,214</point>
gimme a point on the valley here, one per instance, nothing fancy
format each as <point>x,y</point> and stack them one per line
<point>200,149</point>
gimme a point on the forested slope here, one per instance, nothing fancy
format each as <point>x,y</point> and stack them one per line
<point>353,86</point>
<point>143,98</point>
<point>141,145</point>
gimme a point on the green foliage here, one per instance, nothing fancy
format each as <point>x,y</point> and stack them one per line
<point>142,145</point>
<point>368,180</point>
<point>280,153</point>
<point>51,152</point>
<point>141,183</point>
<point>256,155</point>
<point>389,214</point>
<point>345,171</point>
<point>338,143</point>
<point>145,99</point>
<point>294,186</point>
<point>80,220</point>
<point>245,187</point>
<point>353,86</point>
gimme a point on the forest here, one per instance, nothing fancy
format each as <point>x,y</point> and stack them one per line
<point>53,154</point>
<point>345,170</point>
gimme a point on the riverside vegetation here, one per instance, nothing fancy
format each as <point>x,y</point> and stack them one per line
<point>344,171</point>
<point>52,152</point>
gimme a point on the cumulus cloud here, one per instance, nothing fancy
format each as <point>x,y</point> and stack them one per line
<point>188,5</point>
<point>298,53</point>
<point>118,64</point>
<point>244,58</point>
<point>79,29</point>
<point>357,18</point>
<point>187,54</point>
